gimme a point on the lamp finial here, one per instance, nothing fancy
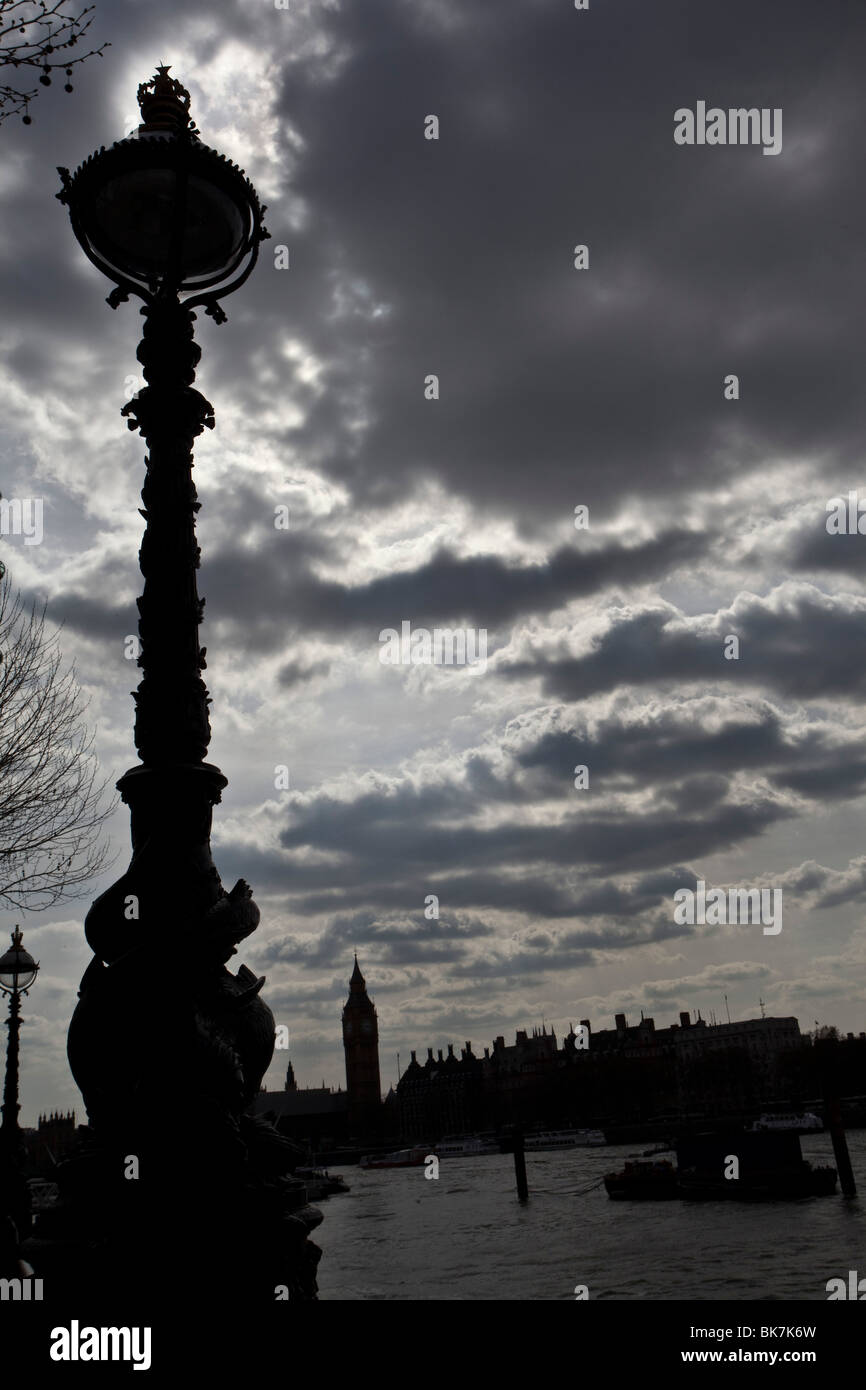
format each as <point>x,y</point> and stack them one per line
<point>164,103</point>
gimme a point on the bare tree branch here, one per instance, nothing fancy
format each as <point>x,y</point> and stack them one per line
<point>51,800</point>
<point>49,30</point>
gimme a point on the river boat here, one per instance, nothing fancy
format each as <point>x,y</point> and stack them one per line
<point>465,1146</point>
<point>768,1167</point>
<point>549,1140</point>
<point>807,1123</point>
<point>401,1158</point>
<point>320,1183</point>
<point>643,1180</point>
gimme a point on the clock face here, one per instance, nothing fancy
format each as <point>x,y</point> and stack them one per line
<point>348,1030</point>
<point>366,1025</point>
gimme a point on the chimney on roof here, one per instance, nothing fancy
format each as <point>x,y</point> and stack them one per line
<point>619,1020</point>
<point>685,1021</point>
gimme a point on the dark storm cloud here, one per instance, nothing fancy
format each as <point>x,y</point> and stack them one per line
<point>560,386</point>
<point>669,745</point>
<point>816,550</point>
<point>390,845</point>
<point>297,672</point>
<point>94,618</point>
<point>392,850</point>
<point>825,888</point>
<point>528,893</point>
<point>390,943</point>
<point>485,590</point>
<point>801,643</point>
<point>405,830</point>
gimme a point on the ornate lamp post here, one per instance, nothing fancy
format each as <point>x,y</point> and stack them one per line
<point>167,1045</point>
<point>18,971</point>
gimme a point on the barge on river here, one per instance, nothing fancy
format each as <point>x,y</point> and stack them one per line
<point>738,1165</point>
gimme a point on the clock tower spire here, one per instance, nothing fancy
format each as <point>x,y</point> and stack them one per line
<point>361,1044</point>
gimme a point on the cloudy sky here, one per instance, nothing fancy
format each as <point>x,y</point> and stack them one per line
<point>559,388</point>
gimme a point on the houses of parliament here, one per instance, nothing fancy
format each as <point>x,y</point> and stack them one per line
<point>622,1076</point>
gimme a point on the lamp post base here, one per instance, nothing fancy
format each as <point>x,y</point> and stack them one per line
<point>169,1049</point>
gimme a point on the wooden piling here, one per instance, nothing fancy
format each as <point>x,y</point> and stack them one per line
<point>520,1167</point>
<point>833,1119</point>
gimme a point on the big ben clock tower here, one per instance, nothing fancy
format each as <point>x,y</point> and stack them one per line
<point>361,1042</point>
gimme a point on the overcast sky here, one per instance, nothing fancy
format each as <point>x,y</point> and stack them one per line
<point>601,387</point>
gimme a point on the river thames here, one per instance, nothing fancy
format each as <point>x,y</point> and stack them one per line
<point>400,1236</point>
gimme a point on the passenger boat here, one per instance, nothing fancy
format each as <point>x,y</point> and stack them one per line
<point>547,1141</point>
<point>465,1146</point>
<point>401,1158</point>
<point>789,1120</point>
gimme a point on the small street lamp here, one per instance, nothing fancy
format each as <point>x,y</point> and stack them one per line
<point>18,970</point>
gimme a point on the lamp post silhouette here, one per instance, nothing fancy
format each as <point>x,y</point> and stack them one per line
<point>18,971</point>
<point>167,1046</point>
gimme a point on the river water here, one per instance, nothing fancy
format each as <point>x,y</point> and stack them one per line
<point>400,1236</point>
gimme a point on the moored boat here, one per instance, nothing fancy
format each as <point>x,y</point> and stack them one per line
<point>725,1165</point>
<point>643,1179</point>
<point>320,1183</point>
<point>749,1166</point>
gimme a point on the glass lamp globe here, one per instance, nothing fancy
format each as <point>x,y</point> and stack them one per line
<point>160,221</point>
<point>17,967</point>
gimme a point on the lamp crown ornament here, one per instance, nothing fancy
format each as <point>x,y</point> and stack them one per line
<point>164,104</point>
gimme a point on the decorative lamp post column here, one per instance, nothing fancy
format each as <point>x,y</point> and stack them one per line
<point>18,971</point>
<point>167,1045</point>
